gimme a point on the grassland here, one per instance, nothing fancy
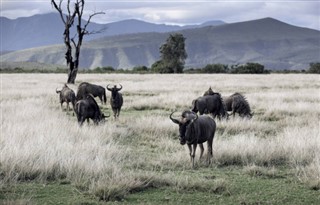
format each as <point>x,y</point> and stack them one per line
<point>274,158</point>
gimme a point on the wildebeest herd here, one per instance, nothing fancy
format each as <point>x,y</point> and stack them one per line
<point>84,104</point>
<point>193,129</point>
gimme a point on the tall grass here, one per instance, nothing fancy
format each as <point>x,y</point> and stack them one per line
<point>39,141</point>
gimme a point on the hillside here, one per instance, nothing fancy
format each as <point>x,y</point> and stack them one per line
<point>275,44</point>
<point>47,29</point>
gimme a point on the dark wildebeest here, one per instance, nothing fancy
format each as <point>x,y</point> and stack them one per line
<point>96,90</point>
<point>116,100</point>
<point>88,108</point>
<point>194,130</point>
<point>237,103</point>
<point>210,104</point>
<point>66,95</point>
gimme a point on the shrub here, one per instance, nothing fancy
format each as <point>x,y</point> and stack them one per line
<point>314,68</point>
<point>253,68</point>
<point>215,68</point>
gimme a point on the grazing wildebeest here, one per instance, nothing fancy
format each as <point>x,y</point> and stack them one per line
<point>237,103</point>
<point>88,108</point>
<point>194,130</point>
<point>66,95</point>
<point>116,100</point>
<point>210,104</point>
<point>86,88</point>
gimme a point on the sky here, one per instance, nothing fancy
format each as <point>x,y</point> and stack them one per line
<point>303,13</point>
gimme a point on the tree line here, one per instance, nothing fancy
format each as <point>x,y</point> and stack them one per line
<point>249,68</point>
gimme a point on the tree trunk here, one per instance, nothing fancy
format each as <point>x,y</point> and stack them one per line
<point>72,74</point>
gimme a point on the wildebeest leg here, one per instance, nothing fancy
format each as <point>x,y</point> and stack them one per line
<point>118,112</point>
<point>88,121</point>
<point>193,153</point>
<point>114,113</point>
<point>68,108</point>
<point>82,119</point>
<point>100,97</point>
<point>201,150</point>
<point>209,144</point>
<point>233,113</point>
<point>190,152</point>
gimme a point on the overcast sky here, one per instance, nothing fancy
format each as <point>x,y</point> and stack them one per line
<point>304,13</point>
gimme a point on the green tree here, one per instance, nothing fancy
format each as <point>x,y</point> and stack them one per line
<point>173,55</point>
<point>314,68</point>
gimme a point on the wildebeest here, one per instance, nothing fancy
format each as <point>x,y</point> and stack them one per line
<point>194,130</point>
<point>116,100</point>
<point>66,95</point>
<point>86,88</point>
<point>237,103</point>
<point>88,108</point>
<point>210,104</point>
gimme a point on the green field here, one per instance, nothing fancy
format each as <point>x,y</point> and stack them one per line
<point>46,158</point>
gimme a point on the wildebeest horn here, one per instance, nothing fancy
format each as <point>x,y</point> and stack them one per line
<point>108,87</point>
<point>119,88</point>
<point>58,91</point>
<point>196,116</point>
<point>174,120</point>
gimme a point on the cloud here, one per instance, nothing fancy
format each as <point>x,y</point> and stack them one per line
<point>297,12</point>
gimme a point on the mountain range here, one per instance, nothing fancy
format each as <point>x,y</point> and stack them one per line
<point>47,29</point>
<point>273,43</point>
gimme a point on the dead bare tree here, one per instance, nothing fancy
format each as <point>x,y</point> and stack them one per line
<point>75,42</point>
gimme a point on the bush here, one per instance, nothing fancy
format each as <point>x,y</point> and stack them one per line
<point>160,67</point>
<point>102,70</point>
<point>139,69</point>
<point>314,68</point>
<point>253,68</point>
<point>215,68</point>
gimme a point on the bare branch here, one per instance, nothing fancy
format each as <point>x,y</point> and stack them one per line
<point>89,19</point>
<point>74,43</point>
<point>68,7</point>
<point>59,9</point>
<point>95,32</point>
<point>82,6</point>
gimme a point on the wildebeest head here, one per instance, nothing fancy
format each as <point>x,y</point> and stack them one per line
<point>209,92</point>
<point>114,89</point>
<point>64,87</point>
<point>187,119</point>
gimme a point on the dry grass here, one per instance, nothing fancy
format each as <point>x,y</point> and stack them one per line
<point>40,142</point>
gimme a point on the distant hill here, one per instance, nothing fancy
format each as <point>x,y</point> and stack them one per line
<point>275,44</point>
<point>47,29</point>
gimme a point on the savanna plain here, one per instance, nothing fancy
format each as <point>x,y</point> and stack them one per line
<point>272,158</point>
